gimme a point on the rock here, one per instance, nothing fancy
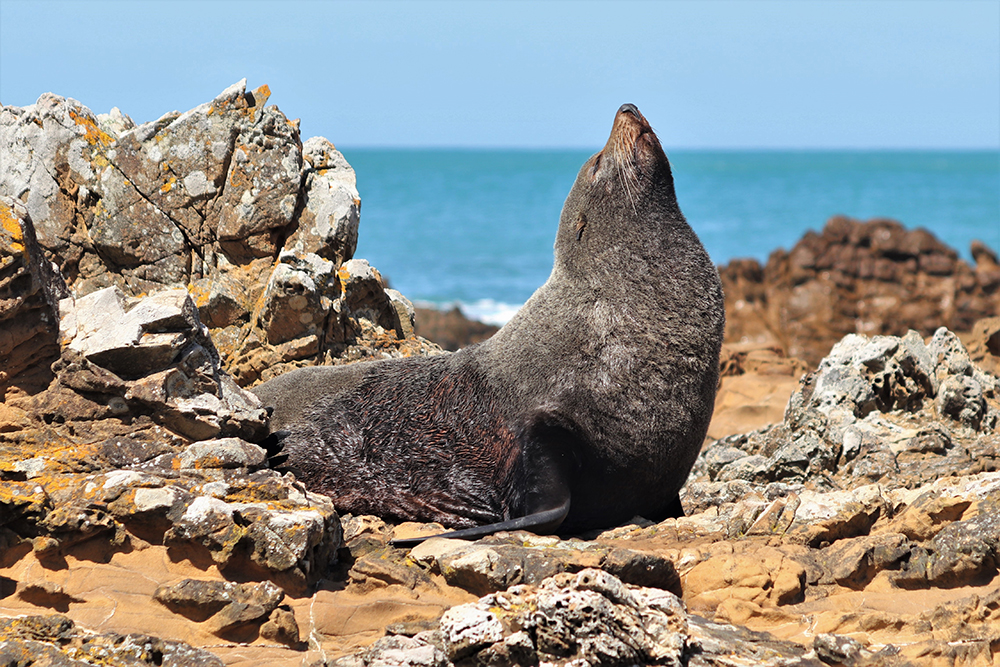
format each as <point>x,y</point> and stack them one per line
<point>451,329</point>
<point>587,618</point>
<point>854,562</point>
<point>56,640</point>
<point>328,225</point>
<point>401,651</point>
<point>281,627</point>
<point>481,571</point>
<point>468,629</point>
<point>766,576</point>
<point>297,299</point>
<point>984,345</point>
<point>223,606</point>
<point>203,200</point>
<point>223,453</point>
<point>859,419</point>
<point>872,278</point>
<point>506,559</point>
<point>152,356</point>
<point>30,290</point>
<point>837,650</point>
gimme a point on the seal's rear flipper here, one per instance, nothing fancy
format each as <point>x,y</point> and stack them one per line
<point>273,444</point>
<point>543,523</point>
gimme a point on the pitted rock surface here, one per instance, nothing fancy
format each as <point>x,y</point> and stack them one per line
<point>204,200</point>
<point>871,278</point>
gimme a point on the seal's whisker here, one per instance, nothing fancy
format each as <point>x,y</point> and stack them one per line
<point>625,183</point>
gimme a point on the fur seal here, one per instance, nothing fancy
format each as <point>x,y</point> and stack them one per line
<point>588,408</point>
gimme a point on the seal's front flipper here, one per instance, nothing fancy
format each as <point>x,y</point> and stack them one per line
<point>543,523</point>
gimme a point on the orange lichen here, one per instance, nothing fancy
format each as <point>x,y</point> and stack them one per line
<point>12,226</point>
<point>199,294</point>
<point>93,134</point>
<point>261,95</point>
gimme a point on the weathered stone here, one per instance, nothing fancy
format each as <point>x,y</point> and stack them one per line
<point>29,293</point>
<point>222,605</point>
<point>854,562</point>
<point>961,398</point>
<point>873,277</point>
<point>481,571</point>
<point>468,628</point>
<point>764,577</point>
<point>397,651</point>
<point>56,640</point>
<point>282,627</point>
<point>328,224</point>
<point>261,191</point>
<point>223,453</point>
<point>298,297</point>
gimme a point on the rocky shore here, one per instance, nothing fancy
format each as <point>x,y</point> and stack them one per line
<point>844,510</point>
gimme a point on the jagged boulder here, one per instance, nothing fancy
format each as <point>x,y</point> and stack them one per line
<point>224,200</point>
<point>30,290</point>
<point>884,409</point>
<point>871,278</point>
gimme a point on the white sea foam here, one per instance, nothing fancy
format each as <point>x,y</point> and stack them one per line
<point>490,311</point>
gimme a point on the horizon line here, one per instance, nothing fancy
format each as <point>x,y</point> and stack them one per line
<point>668,149</point>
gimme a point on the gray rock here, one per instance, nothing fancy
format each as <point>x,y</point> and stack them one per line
<point>223,453</point>
<point>160,359</point>
<point>469,628</point>
<point>30,289</point>
<point>961,398</point>
<point>56,640</point>
<point>881,409</point>
<point>223,605</point>
<point>202,200</point>
<point>967,551</point>
<point>328,225</point>
<point>854,562</point>
<point>397,651</point>
<point>837,649</point>
<point>298,297</point>
<point>481,571</point>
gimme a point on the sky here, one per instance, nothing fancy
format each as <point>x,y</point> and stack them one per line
<point>714,74</point>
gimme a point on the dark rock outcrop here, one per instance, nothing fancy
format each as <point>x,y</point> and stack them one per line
<point>872,278</point>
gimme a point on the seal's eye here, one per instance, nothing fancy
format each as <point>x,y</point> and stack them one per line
<point>581,222</point>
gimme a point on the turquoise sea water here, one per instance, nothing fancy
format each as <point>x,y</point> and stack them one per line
<point>476,227</point>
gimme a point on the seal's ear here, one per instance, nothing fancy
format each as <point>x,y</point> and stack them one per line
<point>581,222</point>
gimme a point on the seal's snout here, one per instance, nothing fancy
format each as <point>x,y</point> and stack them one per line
<point>632,146</point>
<point>629,108</point>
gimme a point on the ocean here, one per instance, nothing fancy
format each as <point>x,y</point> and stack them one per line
<point>475,228</point>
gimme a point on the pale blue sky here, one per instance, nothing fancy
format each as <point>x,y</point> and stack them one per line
<point>744,74</point>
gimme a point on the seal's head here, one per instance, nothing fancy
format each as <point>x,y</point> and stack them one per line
<point>623,193</point>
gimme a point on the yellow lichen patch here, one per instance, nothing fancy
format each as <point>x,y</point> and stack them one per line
<point>93,134</point>
<point>28,495</point>
<point>261,95</point>
<point>169,184</point>
<point>12,226</point>
<point>199,294</point>
<point>343,275</point>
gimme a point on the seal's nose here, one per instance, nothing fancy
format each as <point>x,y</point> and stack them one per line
<point>629,108</point>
